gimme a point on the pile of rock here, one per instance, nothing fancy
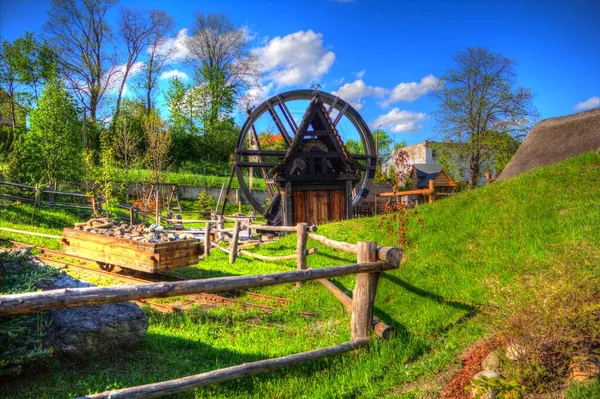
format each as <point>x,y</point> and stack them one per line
<point>153,234</point>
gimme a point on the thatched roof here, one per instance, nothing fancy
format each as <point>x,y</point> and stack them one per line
<point>554,140</point>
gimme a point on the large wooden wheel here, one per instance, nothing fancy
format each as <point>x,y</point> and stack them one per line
<point>283,111</point>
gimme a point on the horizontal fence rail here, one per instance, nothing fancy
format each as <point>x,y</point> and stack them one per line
<point>71,297</point>
<point>227,373</point>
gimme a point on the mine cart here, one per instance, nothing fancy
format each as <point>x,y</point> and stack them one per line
<point>131,255</point>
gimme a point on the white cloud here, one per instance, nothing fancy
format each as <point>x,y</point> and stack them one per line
<point>412,90</point>
<point>400,121</point>
<point>354,92</point>
<point>295,59</point>
<point>175,47</point>
<point>360,74</point>
<point>174,73</point>
<point>590,103</point>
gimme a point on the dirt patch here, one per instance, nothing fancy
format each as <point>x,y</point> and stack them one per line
<point>471,365</point>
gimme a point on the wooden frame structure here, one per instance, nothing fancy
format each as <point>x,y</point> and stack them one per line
<point>371,261</point>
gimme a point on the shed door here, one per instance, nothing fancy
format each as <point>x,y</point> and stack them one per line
<point>318,207</point>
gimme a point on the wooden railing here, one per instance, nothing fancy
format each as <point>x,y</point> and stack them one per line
<point>371,261</point>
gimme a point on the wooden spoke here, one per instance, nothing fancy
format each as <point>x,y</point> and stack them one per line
<point>279,124</point>
<point>339,116</point>
<point>288,115</point>
<point>332,106</point>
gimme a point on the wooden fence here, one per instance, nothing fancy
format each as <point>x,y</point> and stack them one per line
<point>371,261</point>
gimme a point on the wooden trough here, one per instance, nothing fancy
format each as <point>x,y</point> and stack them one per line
<point>142,256</point>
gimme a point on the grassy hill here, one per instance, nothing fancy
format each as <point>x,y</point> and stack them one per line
<point>456,250</point>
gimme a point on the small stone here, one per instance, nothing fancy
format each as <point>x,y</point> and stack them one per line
<point>584,368</point>
<point>491,362</point>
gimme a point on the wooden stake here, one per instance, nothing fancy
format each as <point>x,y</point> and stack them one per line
<point>302,232</point>
<point>234,242</point>
<point>207,239</point>
<point>364,293</point>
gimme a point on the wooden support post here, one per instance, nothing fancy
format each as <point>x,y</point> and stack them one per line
<point>234,242</point>
<point>364,293</point>
<point>131,216</point>
<point>349,208</point>
<point>431,191</point>
<point>302,232</point>
<point>240,206</point>
<point>207,239</point>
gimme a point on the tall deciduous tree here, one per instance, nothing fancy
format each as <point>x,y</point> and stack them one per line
<point>82,38</point>
<point>159,142</point>
<point>53,146</point>
<point>480,101</point>
<point>139,30</point>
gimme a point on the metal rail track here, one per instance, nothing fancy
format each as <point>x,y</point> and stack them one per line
<point>207,299</point>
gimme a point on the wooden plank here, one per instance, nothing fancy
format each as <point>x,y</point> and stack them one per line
<point>225,374</point>
<point>32,302</point>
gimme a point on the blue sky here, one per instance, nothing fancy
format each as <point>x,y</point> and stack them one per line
<point>390,53</point>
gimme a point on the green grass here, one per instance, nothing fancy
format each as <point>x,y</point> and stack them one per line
<point>501,231</point>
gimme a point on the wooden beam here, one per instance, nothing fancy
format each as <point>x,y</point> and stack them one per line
<point>363,297</point>
<point>228,373</point>
<point>342,246</point>
<point>71,297</point>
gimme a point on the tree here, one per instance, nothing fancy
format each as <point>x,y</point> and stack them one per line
<point>383,143</point>
<point>159,55</point>
<point>479,102</point>
<point>223,52</point>
<point>129,131</point>
<point>139,30</point>
<point>159,142</point>
<point>81,37</point>
<point>53,148</point>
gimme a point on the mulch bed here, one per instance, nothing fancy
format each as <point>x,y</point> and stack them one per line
<point>471,365</point>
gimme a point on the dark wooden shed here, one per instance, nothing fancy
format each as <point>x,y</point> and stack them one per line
<point>317,175</point>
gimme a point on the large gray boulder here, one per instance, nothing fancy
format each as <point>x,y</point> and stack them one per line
<point>81,332</point>
<point>93,330</point>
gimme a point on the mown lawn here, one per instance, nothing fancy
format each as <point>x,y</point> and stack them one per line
<point>456,248</point>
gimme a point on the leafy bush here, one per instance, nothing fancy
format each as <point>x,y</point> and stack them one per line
<point>548,318</point>
<point>21,335</point>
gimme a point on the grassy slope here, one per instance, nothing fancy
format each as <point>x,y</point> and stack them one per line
<point>499,231</point>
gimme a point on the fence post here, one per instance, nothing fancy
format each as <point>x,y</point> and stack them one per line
<point>207,239</point>
<point>220,227</point>
<point>234,242</point>
<point>157,210</point>
<point>431,191</point>
<point>364,293</point>
<point>302,232</point>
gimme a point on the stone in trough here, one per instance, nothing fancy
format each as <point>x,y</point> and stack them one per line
<point>86,331</point>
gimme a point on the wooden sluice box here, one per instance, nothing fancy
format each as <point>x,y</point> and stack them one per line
<point>109,251</point>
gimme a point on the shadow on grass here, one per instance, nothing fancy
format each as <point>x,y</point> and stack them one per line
<point>429,295</point>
